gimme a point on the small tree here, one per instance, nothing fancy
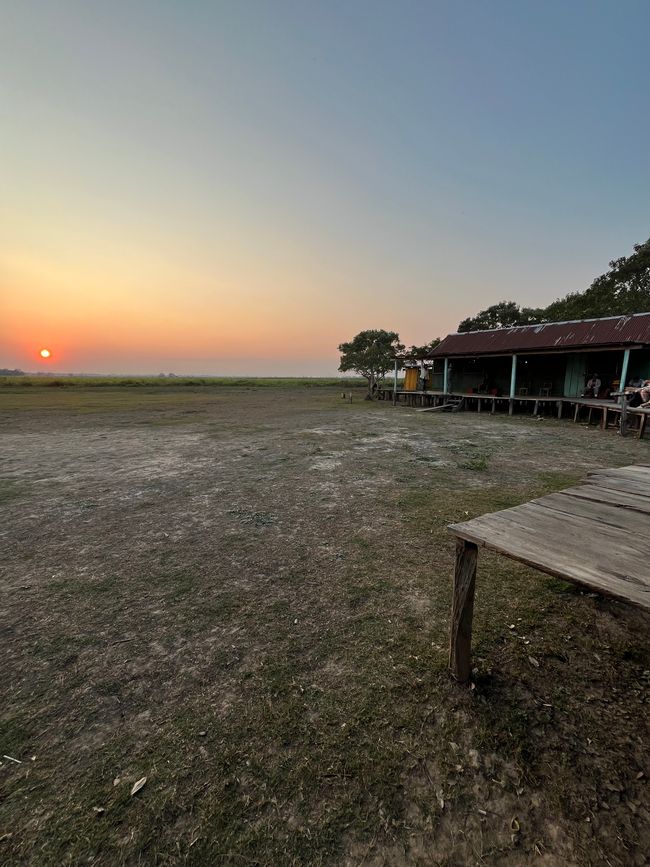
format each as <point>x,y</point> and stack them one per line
<point>371,354</point>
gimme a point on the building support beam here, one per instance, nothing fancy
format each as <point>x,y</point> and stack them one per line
<point>445,377</point>
<point>626,364</point>
<point>513,384</point>
<point>395,385</point>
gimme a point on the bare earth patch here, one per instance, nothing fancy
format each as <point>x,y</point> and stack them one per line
<point>242,595</point>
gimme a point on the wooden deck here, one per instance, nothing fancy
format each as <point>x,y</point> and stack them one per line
<point>605,413</point>
<point>594,534</point>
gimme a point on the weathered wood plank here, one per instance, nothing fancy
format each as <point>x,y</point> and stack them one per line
<point>609,514</point>
<point>462,610</point>
<point>620,483</point>
<point>609,495</point>
<point>575,548</point>
<point>594,535</point>
<point>636,473</point>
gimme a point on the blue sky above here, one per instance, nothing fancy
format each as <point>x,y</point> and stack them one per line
<point>243,185</point>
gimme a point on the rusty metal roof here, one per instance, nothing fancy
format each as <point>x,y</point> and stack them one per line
<point>550,336</point>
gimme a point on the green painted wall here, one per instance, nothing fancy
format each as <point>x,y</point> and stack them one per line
<point>574,376</point>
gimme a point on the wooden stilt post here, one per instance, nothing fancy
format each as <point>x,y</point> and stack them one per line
<point>513,385</point>
<point>462,610</point>
<point>560,405</point>
<point>576,414</point>
<point>623,428</point>
<point>494,405</point>
<point>626,361</point>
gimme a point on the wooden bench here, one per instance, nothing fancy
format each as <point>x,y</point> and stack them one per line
<point>612,411</point>
<point>610,512</point>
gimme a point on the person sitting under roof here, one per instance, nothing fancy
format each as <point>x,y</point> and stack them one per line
<point>641,396</point>
<point>593,386</point>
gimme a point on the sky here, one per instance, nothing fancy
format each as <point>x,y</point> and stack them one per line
<point>238,187</point>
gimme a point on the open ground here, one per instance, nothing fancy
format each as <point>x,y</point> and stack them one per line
<point>243,596</point>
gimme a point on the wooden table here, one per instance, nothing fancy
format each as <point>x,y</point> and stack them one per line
<point>596,534</point>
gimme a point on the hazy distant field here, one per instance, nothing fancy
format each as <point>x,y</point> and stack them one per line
<point>242,595</point>
<point>54,381</point>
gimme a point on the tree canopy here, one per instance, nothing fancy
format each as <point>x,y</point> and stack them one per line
<point>422,351</point>
<point>624,289</point>
<point>371,354</point>
<point>501,315</point>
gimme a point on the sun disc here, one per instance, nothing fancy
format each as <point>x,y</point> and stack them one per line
<point>45,353</point>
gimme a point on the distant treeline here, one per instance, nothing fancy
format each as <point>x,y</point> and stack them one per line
<point>623,290</point>
<point>44,381</point>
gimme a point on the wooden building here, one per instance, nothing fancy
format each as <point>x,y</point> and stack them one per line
<point>551,360</point>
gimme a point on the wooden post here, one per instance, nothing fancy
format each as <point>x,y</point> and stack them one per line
<point>623,427</point>
<point>560,404</point>
<point>494,405</point>
<point>576,414</point>
<point>462,610</point>
<point>513,377</point>
<point>395,385</point>
<point>626,362</point>
<point>445,377</point>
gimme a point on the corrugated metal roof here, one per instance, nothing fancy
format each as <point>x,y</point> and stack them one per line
<point>580,334</point>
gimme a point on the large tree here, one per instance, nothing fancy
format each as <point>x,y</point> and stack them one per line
<point>501,315</point>
<point>372,354</point>
<point>624,289</point>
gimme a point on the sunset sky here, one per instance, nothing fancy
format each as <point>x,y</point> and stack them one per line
<point>237,187</point>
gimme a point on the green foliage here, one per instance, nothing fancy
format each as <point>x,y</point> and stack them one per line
<point>623,290</point>
<point>422,351</point>
<point>371,353</point>
<point>502,315</point>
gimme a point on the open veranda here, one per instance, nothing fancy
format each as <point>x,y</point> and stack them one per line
<point>243,597</point>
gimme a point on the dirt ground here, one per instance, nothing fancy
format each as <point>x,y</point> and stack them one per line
<point>243,596</point>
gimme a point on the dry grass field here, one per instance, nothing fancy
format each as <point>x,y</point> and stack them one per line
<point>243,594</point>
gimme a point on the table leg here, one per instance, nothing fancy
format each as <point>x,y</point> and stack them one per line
<point>462,610</point>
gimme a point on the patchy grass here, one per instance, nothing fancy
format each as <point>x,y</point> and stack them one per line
<point>478,463</point>
<point>244,598</point>
<point>62,381</point>
<point>9,489</point>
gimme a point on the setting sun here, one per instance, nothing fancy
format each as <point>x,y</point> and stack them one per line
<point>45,353</point>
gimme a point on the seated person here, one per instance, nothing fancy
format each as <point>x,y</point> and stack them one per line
<point>644,393</point>
<point>641,396</point>
<point>593,386</point>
